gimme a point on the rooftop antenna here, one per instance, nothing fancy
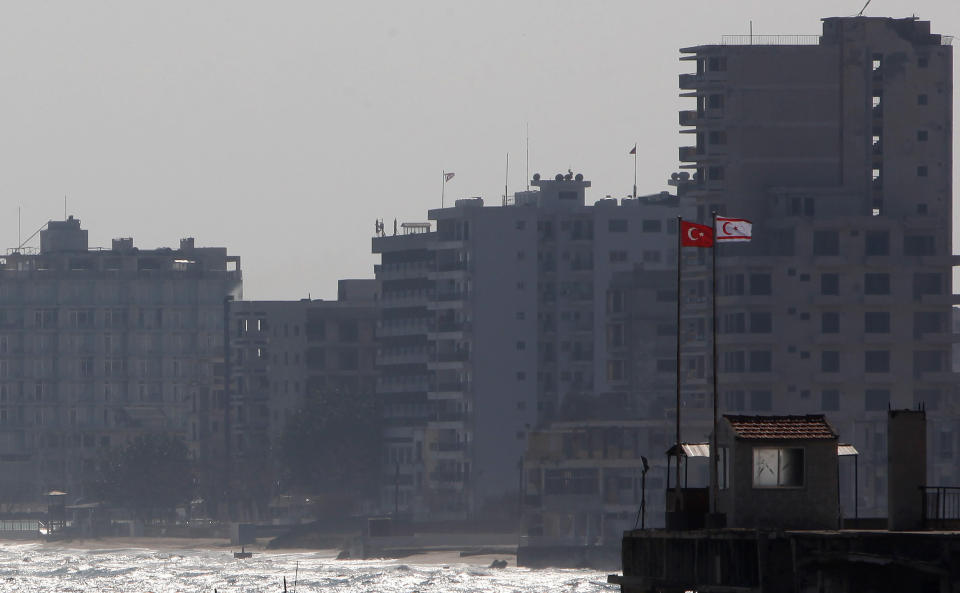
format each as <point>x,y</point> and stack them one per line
<point>528,156</point>
<point>506,180</point>
<point>64,206</point>
<point>751,32</point>
<point>864,7</point>
<point>19,234</point>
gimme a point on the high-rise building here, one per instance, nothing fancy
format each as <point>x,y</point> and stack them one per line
<point>838,148</point>
<point>101,345</point>
<point>281,353</point>
<point>493,323</point>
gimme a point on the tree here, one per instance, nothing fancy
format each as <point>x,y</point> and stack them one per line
<point>151,475</point>
<point>331,448</point>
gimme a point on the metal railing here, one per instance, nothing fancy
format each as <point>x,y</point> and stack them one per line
<point>770,40</point>
<point>941,504</point>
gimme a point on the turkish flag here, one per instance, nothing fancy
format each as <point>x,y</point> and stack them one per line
<point>695,235</point>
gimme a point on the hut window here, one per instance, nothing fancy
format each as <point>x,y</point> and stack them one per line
<point>775,467</point>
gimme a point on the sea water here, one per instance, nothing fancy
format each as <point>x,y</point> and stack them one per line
<point>41,567</point>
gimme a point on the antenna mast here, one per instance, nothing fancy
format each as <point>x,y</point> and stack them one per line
<point>528,156</point>
<point>506,180</point>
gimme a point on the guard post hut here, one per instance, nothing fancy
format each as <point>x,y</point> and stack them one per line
<point>778,472</point>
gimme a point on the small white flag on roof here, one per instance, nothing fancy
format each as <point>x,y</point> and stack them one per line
<point>733,229</point>
<point>448,176</point>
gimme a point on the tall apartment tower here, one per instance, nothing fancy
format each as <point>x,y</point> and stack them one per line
<point>492,324</point>
<point>101,345</point>
<point>838,148</point>
<point>283,352</point>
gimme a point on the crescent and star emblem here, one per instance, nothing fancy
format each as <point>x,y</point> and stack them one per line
<point>692,236</point>
<point>734,231</point>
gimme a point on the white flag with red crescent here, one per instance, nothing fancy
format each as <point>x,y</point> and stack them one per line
<point>733,229</point>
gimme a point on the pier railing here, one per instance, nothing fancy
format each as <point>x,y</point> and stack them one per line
<point>941,506</point>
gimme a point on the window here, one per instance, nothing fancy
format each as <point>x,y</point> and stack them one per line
<point>734,323</point>
<point>715,173</point>
<point>876,400</point>
<point>761,401</point>
<point>876,322</point>
<point>829,284</point>
<point>734,400</point>
<point>926,322</point>
<point>923,62</point>
<point>652,226</point>
<point>876,361</point>
<point>777,467</point>
<point>921,135</point>
<point>877,243</point>
<point>618,256</point>
<point>761,361</point>
<point>761,322</point>
<point>717,64</point>
<point>348,331</point>
<point>521,224</point>
<point>666,365</point>
<point>717,138</point>
<point>830,323</point>
<point>926,283</point>
<point>826,243</point>
<point>617,225</point>
<point>922,171</point>
<point>830,361</point>
<point>829,400</point>
<point>521,345</point>
<point>760,284</point>
<point>651,256</point>
<point>919,245</point>
<point>876,283</point>
<point>715,101</point>
<point>615,370</point>
<point>733,362</point>
<point>928,361</point>
<point>921,99</point>
<point>733,285</point>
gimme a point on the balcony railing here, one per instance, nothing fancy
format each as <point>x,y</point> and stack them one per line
<point>453,357</point>
<point>770,40</point>
<point>941,506</point>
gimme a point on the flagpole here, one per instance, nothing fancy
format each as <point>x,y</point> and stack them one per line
<point>635,179</point>
<point>714,451</point>
<point>678,504</point>
<point>443,186</point>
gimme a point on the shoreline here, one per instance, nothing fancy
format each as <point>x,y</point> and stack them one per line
<point>173,544</point>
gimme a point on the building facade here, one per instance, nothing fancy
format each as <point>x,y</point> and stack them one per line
<point>282,352</point>
<point>492,323</point>
<point>838,148</point>
<point>99,346</point>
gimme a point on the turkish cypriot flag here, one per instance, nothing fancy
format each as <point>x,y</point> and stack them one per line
<point>733,229</point>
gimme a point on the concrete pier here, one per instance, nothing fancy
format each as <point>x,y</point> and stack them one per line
<point>757,561</point>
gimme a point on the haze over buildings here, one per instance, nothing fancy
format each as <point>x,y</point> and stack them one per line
<point>183,119</point>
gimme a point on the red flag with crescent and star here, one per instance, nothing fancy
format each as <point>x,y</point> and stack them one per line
<point>695,235</point>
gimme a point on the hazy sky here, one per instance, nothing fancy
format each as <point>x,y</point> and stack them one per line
<point>282,130</point>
